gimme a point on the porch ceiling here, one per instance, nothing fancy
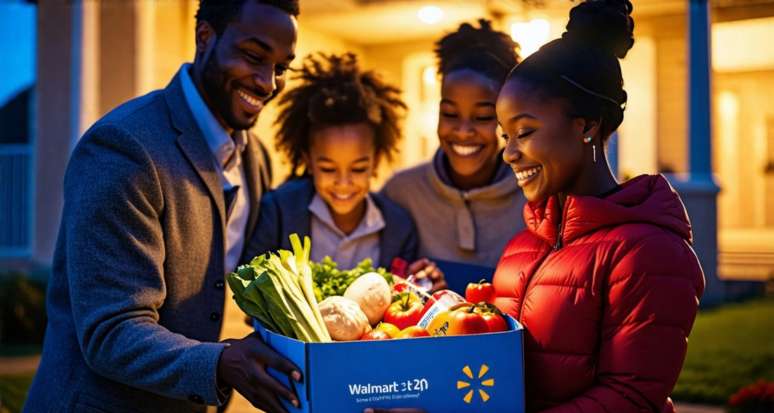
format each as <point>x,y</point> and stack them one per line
<point>370,22</point>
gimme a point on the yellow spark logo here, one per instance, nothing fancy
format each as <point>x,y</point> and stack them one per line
<point>470,394</point>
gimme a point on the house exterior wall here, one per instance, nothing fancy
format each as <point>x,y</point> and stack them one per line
<point>108,52</point>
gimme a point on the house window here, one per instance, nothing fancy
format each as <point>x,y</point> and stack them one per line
<point>17,21</point>
<point>743,145</point>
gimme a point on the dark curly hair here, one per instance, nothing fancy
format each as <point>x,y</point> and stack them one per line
<point>334,92</point>
<point>482,49</point>
<point>219,13</point>
<point>582,66</point>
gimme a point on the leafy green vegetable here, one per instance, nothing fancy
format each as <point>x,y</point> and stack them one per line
<point>277,290</point>
<point>329,280</point>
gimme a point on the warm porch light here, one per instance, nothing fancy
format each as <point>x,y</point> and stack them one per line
<point>530,35</point>
<point>430,14</point>
<point>428,76</point>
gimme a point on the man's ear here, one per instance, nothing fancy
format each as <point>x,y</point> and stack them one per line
<point>205,39</point>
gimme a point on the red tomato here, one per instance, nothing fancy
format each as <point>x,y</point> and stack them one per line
<point>459,320</point>
<point>404,312</point>
<point>479,292</point>
<point>495,322</point>
<point>492,316</point>
<point>466,321</point>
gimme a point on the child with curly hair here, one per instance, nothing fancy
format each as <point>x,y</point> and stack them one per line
<point>334,129</point>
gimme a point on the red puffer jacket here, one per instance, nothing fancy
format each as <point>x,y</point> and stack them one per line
<point>607,301</point>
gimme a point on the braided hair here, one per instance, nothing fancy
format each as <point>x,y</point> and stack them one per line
<point>482,49</point>
<point>582,66</point>
<point>334,92</point>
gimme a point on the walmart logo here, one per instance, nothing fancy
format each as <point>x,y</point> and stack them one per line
<point>479,382</point>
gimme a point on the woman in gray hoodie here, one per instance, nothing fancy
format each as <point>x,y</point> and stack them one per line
<point>465,202</point>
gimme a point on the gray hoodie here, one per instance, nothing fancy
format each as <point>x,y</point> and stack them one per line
<point>454,225</point>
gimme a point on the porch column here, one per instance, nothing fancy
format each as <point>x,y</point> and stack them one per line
<point>700,191</point>
<point>65,101</point>
<point>56,118</point>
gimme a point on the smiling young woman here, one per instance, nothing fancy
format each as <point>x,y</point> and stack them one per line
<point>467,179</point>
<point>604,278</point>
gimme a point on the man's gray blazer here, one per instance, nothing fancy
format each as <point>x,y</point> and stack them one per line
<point>136,296</point>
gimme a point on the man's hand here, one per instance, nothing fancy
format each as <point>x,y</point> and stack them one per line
<point>424,268</point>
<point>242,366</point>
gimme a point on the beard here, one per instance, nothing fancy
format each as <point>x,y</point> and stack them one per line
<point>220,91</point>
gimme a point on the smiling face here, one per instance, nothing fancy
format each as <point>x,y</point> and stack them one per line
<point>342,160</point>
<point>238,71</point>
<point>544,144</point>
<point>467,126</point>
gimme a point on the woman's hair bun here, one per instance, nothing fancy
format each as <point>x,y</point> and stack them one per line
<point>603,24</point>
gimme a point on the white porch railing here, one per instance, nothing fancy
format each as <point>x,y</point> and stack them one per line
<point>746,254</point>
<point>15,200</point>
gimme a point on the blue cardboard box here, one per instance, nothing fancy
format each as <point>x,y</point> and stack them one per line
<point>465,374</point>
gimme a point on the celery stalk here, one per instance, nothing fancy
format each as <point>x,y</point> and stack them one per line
<point>277,307</point>
<point>306,319</point>
<point>290,303</point>
<point>302,254</point>
<point>277,290</point>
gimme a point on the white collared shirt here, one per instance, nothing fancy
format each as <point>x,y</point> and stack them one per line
<point>345,250</point>
<point>227,152</point>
